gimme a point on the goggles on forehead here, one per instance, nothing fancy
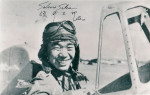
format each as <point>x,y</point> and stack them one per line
<point>56,26</point>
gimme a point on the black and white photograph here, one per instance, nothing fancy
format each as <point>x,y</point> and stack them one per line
<point>74,47</point>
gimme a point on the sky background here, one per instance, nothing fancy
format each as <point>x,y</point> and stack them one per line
<point>23,21</point>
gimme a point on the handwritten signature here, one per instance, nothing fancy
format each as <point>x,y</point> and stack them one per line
<point>46,6</point>
<point>77,18</point>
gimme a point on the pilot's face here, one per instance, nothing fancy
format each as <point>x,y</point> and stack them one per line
<point>61,54</point>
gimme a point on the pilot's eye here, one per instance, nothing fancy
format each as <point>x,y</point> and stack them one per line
<point>56,47</point>
<point>70,47</point>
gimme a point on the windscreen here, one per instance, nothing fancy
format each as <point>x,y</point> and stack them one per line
<point>114,71</point>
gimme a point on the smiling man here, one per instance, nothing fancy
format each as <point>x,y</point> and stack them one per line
<point>59,54</point>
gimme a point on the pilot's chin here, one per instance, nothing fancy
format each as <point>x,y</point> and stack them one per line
<point>63,68</point>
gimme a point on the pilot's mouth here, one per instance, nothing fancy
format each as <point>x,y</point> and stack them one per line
<point>63,62</point>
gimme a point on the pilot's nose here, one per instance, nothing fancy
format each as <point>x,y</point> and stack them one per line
<point>63,53</point>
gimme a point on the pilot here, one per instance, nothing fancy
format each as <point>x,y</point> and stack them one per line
<point>59,55</point>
